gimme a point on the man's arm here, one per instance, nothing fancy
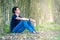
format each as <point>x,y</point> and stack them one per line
<point>18,18</point>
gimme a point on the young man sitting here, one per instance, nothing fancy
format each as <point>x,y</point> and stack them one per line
<point>19,24</point>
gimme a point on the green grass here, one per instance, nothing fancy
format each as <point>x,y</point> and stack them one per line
<point>58,37</point>
<point>48,26</point>
<point>7,28</point>
<point>44,27</point>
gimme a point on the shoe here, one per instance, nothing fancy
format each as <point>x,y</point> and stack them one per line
<point>35,32</point>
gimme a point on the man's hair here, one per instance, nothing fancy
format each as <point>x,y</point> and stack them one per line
<point>14,9</point>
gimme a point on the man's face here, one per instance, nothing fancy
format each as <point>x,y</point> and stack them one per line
<point>17,10</point>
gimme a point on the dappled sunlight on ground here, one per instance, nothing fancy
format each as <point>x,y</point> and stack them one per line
<point>43,35</point>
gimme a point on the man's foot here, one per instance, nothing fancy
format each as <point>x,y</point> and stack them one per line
<point>35,32</point>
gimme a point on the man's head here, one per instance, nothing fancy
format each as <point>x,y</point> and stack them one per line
<point>15,10</point>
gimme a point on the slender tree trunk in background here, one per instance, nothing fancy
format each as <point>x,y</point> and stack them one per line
<point>41,10</point>
<point>1,19</point>
<point>56,11</point>
<point>4,14</point>
<point>35,10</point>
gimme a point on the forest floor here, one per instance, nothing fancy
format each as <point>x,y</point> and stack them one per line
<point>46,32</point>
<point>43,35</point>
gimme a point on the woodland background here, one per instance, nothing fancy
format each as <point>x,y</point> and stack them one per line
<point>45,12</point>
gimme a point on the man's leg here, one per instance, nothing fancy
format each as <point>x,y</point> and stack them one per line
<point>27,26</point>
<point>18,27</point>
<point>21,29</point>
<point>30,24</point>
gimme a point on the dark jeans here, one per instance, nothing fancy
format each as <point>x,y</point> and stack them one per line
<point>24,25</point>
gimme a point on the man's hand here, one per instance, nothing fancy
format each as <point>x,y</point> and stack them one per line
<point>32,20</point>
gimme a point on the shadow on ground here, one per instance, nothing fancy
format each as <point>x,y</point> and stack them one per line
<point>43,35</point>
